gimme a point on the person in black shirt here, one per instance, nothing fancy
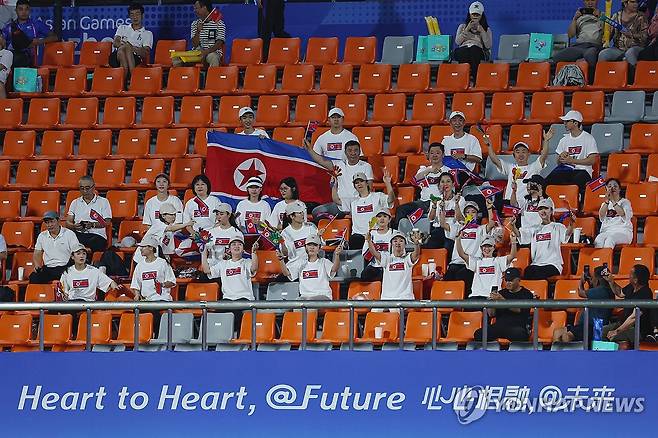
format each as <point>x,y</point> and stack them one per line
<point>512,323</point>
<point>623,332</point>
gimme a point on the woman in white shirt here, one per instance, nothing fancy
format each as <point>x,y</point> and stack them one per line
<point>251,211</point>
<point>152,206</point>
<point>615,215</point>
<point>380,236</point>
<point>313,272</point>
<point>443,213</point>
<point>297,232</point>
<point>163,229</point>
<point>487,270</point>
<point>221,235</point>
<point>474,38</point>
<point>536,188</point>
<point>247,117</point>
<point>289,194</point>
<point>81,281</point>
<point>199,209</point>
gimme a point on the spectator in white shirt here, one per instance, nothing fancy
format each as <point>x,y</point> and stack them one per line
<point>487,270</point>
<point>461,145</point>
<point>427,179</point>
<point>448,203</point>
<point>345,170</point>
<point>81,281</point>
<point>225,229</point>
<point>577,153</point>
<point>297,231</point>
<point>380,236</point>
<point>89,215</point>
<point>247,117</point>
<point>529,204</point>
<point>251,211</point>
<point>313,272</point>
<point>6,61</point>
<point>208,35</point>
<point>331,144</point>
<point>289,195</point>
<point>615,215</point>
<point>163,230</point>
<point>52,252</point>
<point>199,209</point>
<point>132,41</point>
<point>152,206</point>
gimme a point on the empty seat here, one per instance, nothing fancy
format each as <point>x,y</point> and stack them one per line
<point>195,111</point>
<point>336,78</point>
<point>145,81</point>
<point>406,140</point>
<point>643,198</point>
<point>635,256</point>
<point>413,78</point>
<point>594,257</point>
<point>70,81</point>
<point>563,196</point>
<point>56,144</point>
<point>68,173</point>
<point>107,81</point>
<point>292,331</point>
<point>355,107</point>
<point>492,77</point>
<point>123,203</point>
<point>144,171</point>
<point>644,138</point>
<point>221,80</point>
<point>265,328</point>
<point>246,51</point>
<point>94,143</point>
<point>15,330</point>
<point>229,106</point>
<point>18,145</point>
<point>273,110</point>
<point>371,139</point>
<point>10,204</point>
<point>650,232</point>
<point>81,113</point>
<point>462,326</point>
<point>32,174</point>
<point>95,53</point>
<point>610,75</point>
<point>43,113</point>
<point>471,104</point>
<point>360,50</point>
<point>181,329</point>
<point>118,113</point>
<point>12,113</point>
<point>532,76</point>
<point>183,170</point>
<point>624,167</point>
<point>41,201</point>
<point>171,143</point>
<point>164,49</point>
<point>109,173</point>
<point>336,328</point>
<point>387,321</point>
<point>507,108</point>
<point>310,107</point>
<point>182,81</point>
<point>321,51</point>
<point>58,54</point>
<point>133,143</point>
<point>546,107</point>
<point>259,79</point>
<point>284,51</point>
<point>18,234</point>
<point>428,109</point>
<point>389,109</point>
<point>297,79</point>
<point>374,78</point>
<point>652,168</point>
<point>591,105</point>
<point>609,137</point>
<point>513,49</point>
<point>453,77</point>
<point>126,332</point>
<point>447,290</point>
<point>646,76</point>
<point>652,113</point>
<point>157,112</point>
<point>398,50</point>
<point>627,107</point>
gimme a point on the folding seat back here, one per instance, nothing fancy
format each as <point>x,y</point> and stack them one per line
<point>58,54</point>
<point>12,113</point>
<point>513,49</point>
<point>164,49</point>
<point>563,196</point>
<point>157,112</point>
<point>101,328</point>
<point>631,256</point>
<point>336,230</point>
<point>360,50</point>
<point>548,321</point>
<point>627,107</point>
<point>438,133</point>
<point>539,288</point>
<point>202,292</point>
<point>371,139</point>
<point>56,144</point>
<point>259,79</point>
<point>593,257</point>
<point>70,81</point>
<point>284,51</point>
<point>610,75</point>
<point>43,113</point>
<point>41,201</point>
<point>453,77</point>
<point>389,109</point>
<point>507,108</point>
<point>355,107</point>
<point>609,137</point>
<point>145,81</point>
<point>18,234</point>
<point>411,166</point>
<point>336,327</point>
<point>134,142</point>
<point>273,110</point>
<point>591,105</point>
<point>15,329</point>
<point>492,77</point>
<point>644,138</point>
<point>195,111</point>
<point>646,75</point>
<point>10,204</point>
<point>321,51</point>
<point>652,166</point>
<point>624,167</point>
<point>94,143</point>
<point>533,76</point>
<point>311,107</point>
<point>57,329</point>
<point>413,78</point>
<point>69,172</point>
<point>19,144</point>
<point>298,79</point>
<point>290,135</point>
<point>264,327</point>
<point>39,293</point>
<point>336,78</point>
<point>126,333</point>
<point>119,112</point>
<point>462,325</point>
<point>95,53</point>
<point>109,173</point>
<point>123,203</point>
<point>387,321</point>
<point>183,81</point>
<point>221,79</point>
<point>291,328</point>
<point>437,256</point>
<point>81,113</point>
<point>146,170</point>
<point>374,78</point>
<point>650,232</point>
<point>171,142</point>
<point>446,291</point>
<point>268,265</point>
<point>406,140</point>
<point>532,135</point>
<point>398,50</point>
<point>33,173</point>
<point>546,107</point>
<point>643,198</point>
<point>229,107</point>
<point>428,109</point>
<point>107,81</point>
<point>419,328</point>
<point>471,104</point>
<point>246,51</point>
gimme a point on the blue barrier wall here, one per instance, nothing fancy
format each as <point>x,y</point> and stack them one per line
<point>342,19</point>
<point>321,394</point>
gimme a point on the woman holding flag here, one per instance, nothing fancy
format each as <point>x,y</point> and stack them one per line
<point>163,230</point>
<point>297,232</point>
<point>615,215</point>
<point>443,213</point>
<point>380,235</point>
<point>251,211</point>
<point>629,33</point>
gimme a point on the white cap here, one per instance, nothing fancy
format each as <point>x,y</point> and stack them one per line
<point>151,241</point>
<point>476,8</point>
<point>488,241</point>
<point>359,175</point>
<point>385,211</point>
<point>77,247</point>
<point>545,203</point>
<point>457,113</point>
<point>471,204</point>
<point>572,115</point>
<point>223,208</point>
<point>167,208</point>
<point>254,181</point>
<point>313,239</point>
<point>336,111</point>
<point>295,207</point>
<point>244,110</point>
<point>398,234</point>
<point>237,237</point>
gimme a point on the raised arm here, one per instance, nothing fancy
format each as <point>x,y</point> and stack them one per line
<point>513,249</point>
<point>336,259</point>
<point>490,215</point>
<point>254,258</point>
<point>371,246</point>
<point>284,268</point>
<point>389,187</point>
<point>460,248</point>
<point>324,162</point>
<point>546,138</point>
<point>492,153</point>
<point>415,239</point>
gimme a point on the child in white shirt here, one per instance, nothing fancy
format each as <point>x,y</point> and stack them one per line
<point>251,211</point>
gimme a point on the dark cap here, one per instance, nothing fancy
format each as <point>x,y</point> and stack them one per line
<point>512,273</point>
<point>535,179</point>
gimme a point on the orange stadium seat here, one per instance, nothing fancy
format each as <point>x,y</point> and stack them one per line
<point>171,143</point>
<point>610,76</point>
<point>507,108</point>
<point>133,143</point>
<point>273,110</point>
<point>428,109</point>
<point>388,321</point>
<point>644,138</point>
<point>532,135</point>
<point>389,109</point>
<point>336,230</point>
<point>546,107</point>
<point>591,105</point>
<point>101,331</point>
<point>568,290</point>
<point>646,76</point>
<point>81,113</point>
<point>321,51</point>
<point>391,163</point>
<point>43,113</point>
<point>445,291</point>
<point>643,198</point>
<point>336,328</point>
<point>246,51</point>
<point>199,149</point>
<point>195,111</point>
<point>109,173</point>
<point>15,330</point>
<point>290,135</point>
<point>259,79</point>
<point>411,166</point>
<point>145,81</point>
<point>532,76</point>
<point>284,51</point>
<point>492,77</point>
<point>182,81</point>
<point>650,232</point>
<point>539,288</point>
<point>135,229</point>
<point>12,113</point>
<point>56,144</point>
<point>495,133</point>
<point>68,173</point>
<point>56,330</point>
<point>183,170</point>
<point>157,112</point>
<point>291,328</point>
<point>10,205</point>
<point>360,50</point>
<point>418,328</point>
<point>118,113</point>
<point>164,49</point>
<point>438,133</point>
<point>624,167</point>
<point>581,64</point>
<point>268,266</point>
<point>297,79</point>
<point>593,257</point>
<point>5,167</point>
<point>38,293</point>
<point>413,78</point>
<point>652,166</point>
<point>18,234</point>
<point>95,54</point>
<point>126,333</point>
<point>471,104</point>
<point>374,78</point>
<point>371,139</point>
<point>145,169</point>
<point>265,328</point>
<point>336,78</point>
<point>405,194</point>
<point>631,256</point>
<point>311,107</point>
<point>453,78</point>
<point>228,110</point>
<point>123,203</point>
<point>107,81</point>
<point>355,107</point>
<point>221,80</point>
<point>462,326</point>
<point>32,174</point>
<point>406,140</point>
<point>522,259</point>
<point>436,256</point>
<point>563,195</point>
<point>26,261</point>
<point>548,322</point>
<point>593,201</point>
<point>371,290</point>
<point>201,292</point>
<point>70,81</point>
<point>18,144</point>
<point>58,54</point>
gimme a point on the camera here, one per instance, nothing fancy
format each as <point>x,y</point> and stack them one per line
<point>586,11</point>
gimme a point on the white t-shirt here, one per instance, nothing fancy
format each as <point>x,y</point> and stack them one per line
<point>152,209</point>
<point>508,169</point>
<point>219,241</point>
<point>295,240</point>
<point>396,283</point>
<point>98,210</point>
<point>472,235</point>
<point>149,277</point>
<point>235,277</point>
<point>468,144</point>
<point>545,244</point>
<point>257,132</point>
<point>430,184</point>
<point>313,276</point>
<point>82,285</point>
<point>346,190</point>
<point>450,208</point>
<point>202,212</point>
<point>166,239</point>
<point>333,145</point>
<point>382,242</point>
<point>579,147</point>
<point>364,209</point>
<point>615,223</point>
<point>488,272</point>
<point>252,212</point>
<point>530,219</point>
<point>6,59</point>
<point>279,212</point>
<point>3,244</point>
<point>138,38</point>
<point>56,250</point>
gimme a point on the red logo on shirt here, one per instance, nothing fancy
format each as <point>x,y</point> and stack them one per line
<point>334,146</point>
<point>253,216</point>
<point>469,234</point>
<point>458,151</point>
<point>364,208</point>
<point>450,213</point>
<point>521,176</point>
<point>575,150</point>
<point>165,241</point>
<point>222,241</point>
<point>487,270</point>
<point>381,246</point>
<point>151,275</point>
<point>198,213</point>
<point>612,213</point>
<point>157,214</point>
<point>300,243</point>
<point>543,237</point>
<point>233,271</point>
<point>80,283</point>
<point>432,180</point>
<point>310,274</point>
<point>532,208</point>
<point>399,266</point>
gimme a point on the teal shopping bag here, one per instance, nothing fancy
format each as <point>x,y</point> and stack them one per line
<point>541,46</point>
<point>26,80</point>
<point>421,49</point>
<point>438,47</point>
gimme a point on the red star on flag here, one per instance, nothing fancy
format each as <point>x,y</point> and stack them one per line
<point>248,173</point>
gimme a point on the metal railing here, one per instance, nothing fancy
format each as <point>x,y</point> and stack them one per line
<point>351,306</point>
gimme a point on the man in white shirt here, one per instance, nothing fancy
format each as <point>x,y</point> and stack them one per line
<point>461,145</point>
<point>6,61</point>
<point>89,215</point>
<point>208,35</point>
<point>133,42</point>
<point>577,153</point>
<point>52,252</point>
<point>247,117</point>
<point>331,144</point>
<point>346,169</point>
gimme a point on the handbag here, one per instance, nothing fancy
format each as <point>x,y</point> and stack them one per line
<point>27,80</point>
<point>541,46</point>
<point>438,47</point>
<point>421,49</point>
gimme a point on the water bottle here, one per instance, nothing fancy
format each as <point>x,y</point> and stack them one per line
<point>597,324</point>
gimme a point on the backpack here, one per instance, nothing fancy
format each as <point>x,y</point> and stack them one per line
<point>569,75</point>
<point>27,80</point>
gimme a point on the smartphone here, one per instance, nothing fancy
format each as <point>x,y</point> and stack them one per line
<point>494,290</point>
<point>587,272</point>
<point>587,11</point>
<point>604,271</point>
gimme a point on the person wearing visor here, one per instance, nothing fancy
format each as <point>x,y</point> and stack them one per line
<point>380,236</point>
<point>488,269</point>
<point>52,251</point>
<point>163,230</point>
<point>251,211</point>
<point>247,118</point>
<point>331,144</point>
<point>462,145</point>
<point>221,234</point>
<point>81,281</point>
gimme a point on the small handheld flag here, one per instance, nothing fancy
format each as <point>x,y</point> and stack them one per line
<point>489,191</point>
<point>596,184</point>
<point>415,216</point>
<point>311,127</point>
<point>511,211</point>
<point>372,223</point>
<point>214,16</point>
